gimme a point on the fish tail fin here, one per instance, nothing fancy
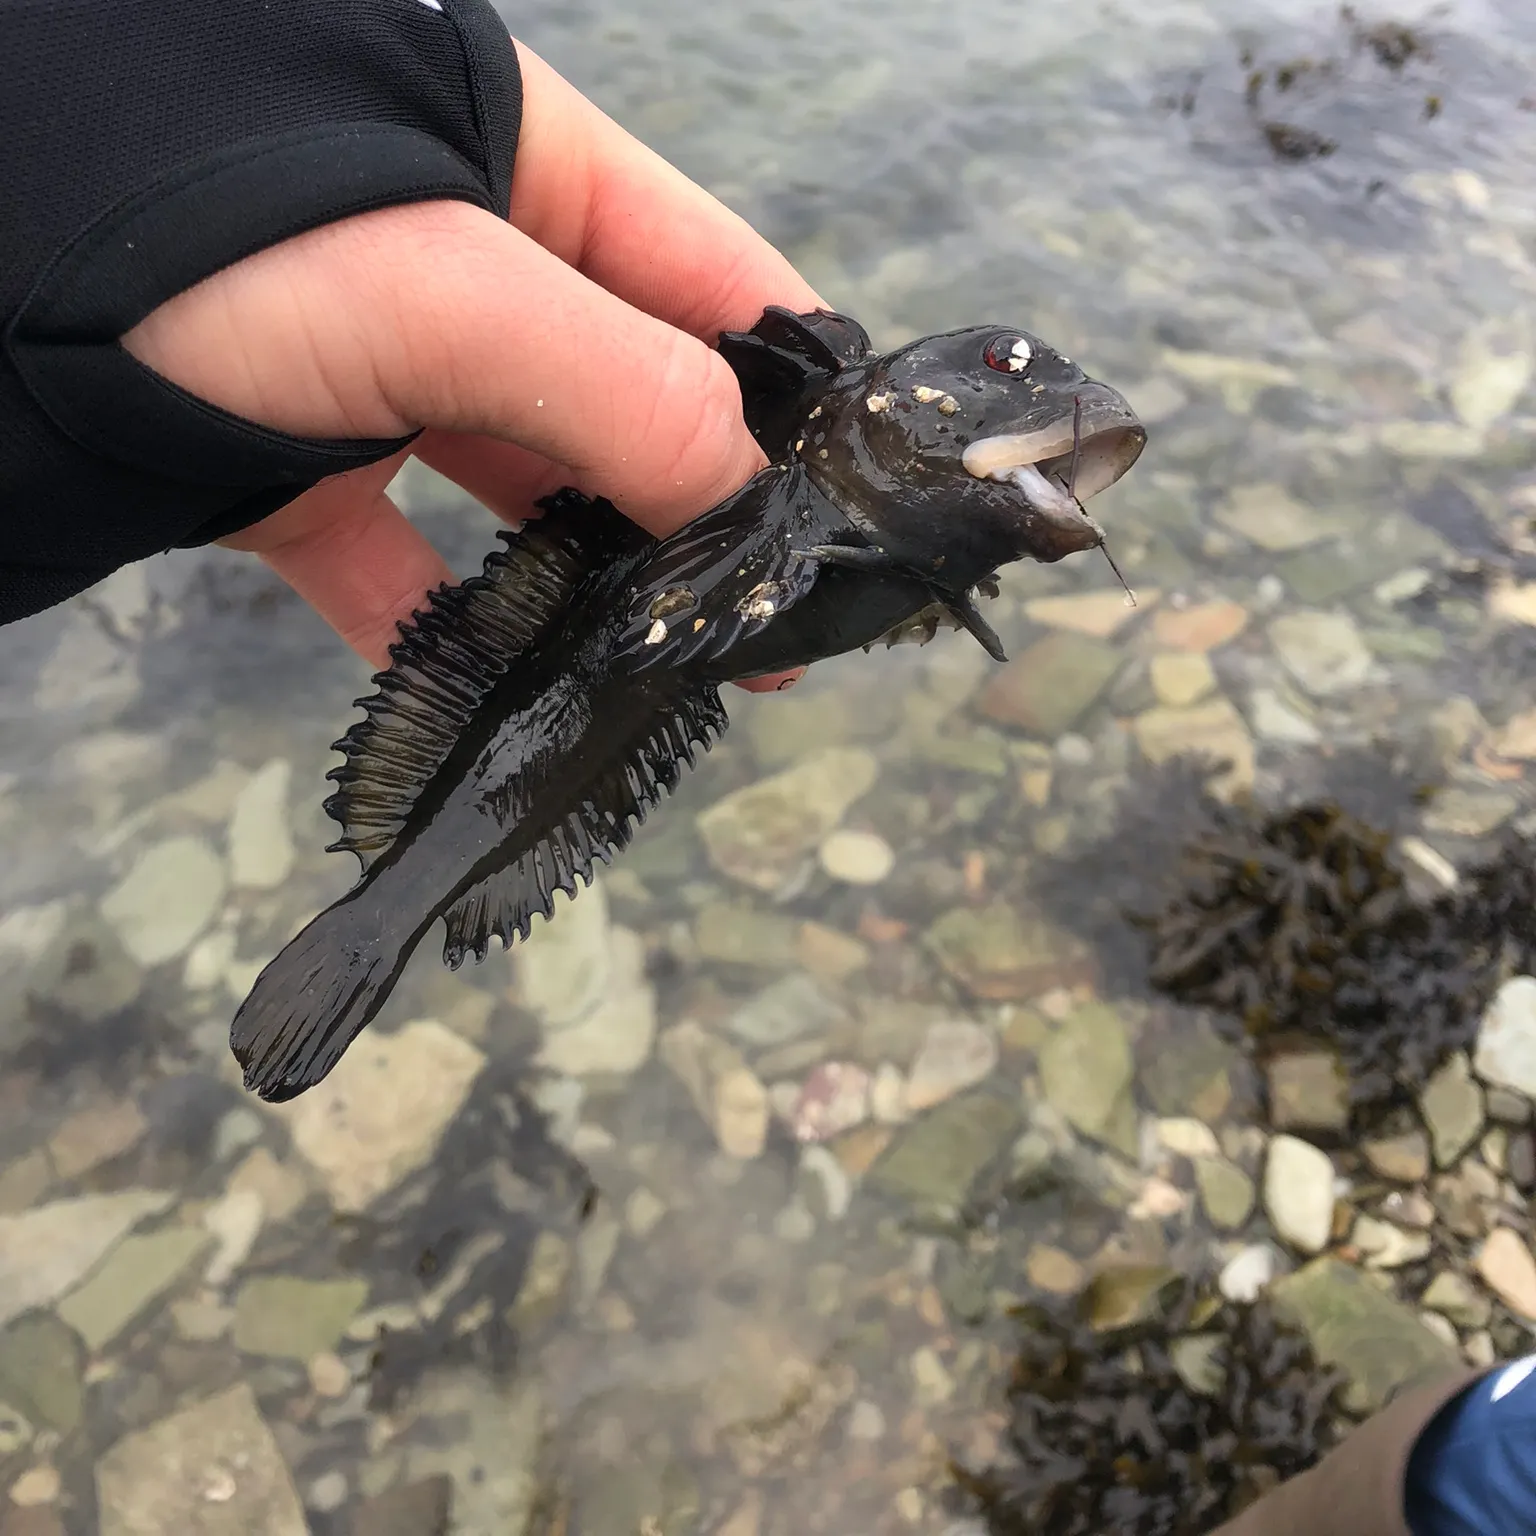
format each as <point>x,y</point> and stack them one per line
<point>311,1002</point>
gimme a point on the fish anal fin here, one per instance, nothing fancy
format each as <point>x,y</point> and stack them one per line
<point>453,653</point>
<point>610,807</point>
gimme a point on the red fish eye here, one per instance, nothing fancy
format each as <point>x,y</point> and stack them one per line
<point>1008,354</point>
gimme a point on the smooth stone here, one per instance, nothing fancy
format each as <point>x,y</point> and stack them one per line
<point>888,1095</point>
<point>1248,1273</point>
<point>726,1091</point>
<point>1385,1246</point>
<point>1460,812</point>
<point>1187,1137</point>
<point>1086,1069</point>
<point>933,1161</point>
<point>423,1508</point>
<point>761,834</point>
<point>380,1115</point>
<point>47,1251</point>
<point>37,1486</point>
<point>1051,685</point>
<point>261,851</point>
<point>786,1010</point>
<point>1452,1105</point>
<point>1298,1193</point>
<point>732,933</point>
<point>136,1274</point>
<point>286,1318</point>
<point>1213,730</point>
<point>1322,651</point>
<point>1520,1161</point>
<point>1052,1269</point>
<point>617,1035</point>
<point>166,899</point>
<point>1276,720</point>
<point>932,1384</point>
<point>565,966</point>
<point>212,1469</point>
<point>1353,1323</point>
<point>42,1370</point>
<point>856,858</point>
<point>1308,1092</point>
<point>1203,627</point>
<point>94,1136</point>
<point>1404,1159</point>
<point>1181,678</point>
<point>826,1186</point>
<point>1226,1192</point>
<point>1506,1041</point>
<point>1191,1074</point>
<point>235,1220</point>
<point>1507,1106</point>
<point>281,1187</point>
<point>1491,375</point>
<point>1509,1271</point>
<point>999,953</point>
<point>1449,440</point>
<point>1126,1295</point>
<point>834,1098</point>
<point>327,1493</point>
<point>955,1054</point>
<point>829,954</point>
<point>1269,516</point>
<point>1454,1296</point>
<point>1197,1358</point>
<point>1101,615</point>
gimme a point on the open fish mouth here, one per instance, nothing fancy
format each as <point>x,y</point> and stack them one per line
<point>1057,468</point>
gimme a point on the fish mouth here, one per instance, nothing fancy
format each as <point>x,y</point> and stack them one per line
<point>1105,439</point>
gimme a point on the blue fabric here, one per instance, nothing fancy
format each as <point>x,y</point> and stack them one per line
<point>1473,1471</point>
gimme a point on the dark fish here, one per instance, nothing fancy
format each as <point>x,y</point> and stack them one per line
<point>535,713</point>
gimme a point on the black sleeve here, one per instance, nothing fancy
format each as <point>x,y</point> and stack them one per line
<point>149,143</point>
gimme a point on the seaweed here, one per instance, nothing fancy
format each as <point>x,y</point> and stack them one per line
<point>1106,1434</point>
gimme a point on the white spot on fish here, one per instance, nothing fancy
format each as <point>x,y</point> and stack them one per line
<point>762,602</point>
<point>924,395</point>
<point>948,406</point>
<point>799,444</point>
<point>816,413</point>
<point>656,633</point>
<point>881,400</point>
<point>1018,356</point>
<point>821,453</point>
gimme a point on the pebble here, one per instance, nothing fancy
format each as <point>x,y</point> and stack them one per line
<point>1086,1070</point>
<point>1491,375</point>
<point>1385,1246</point>
<point>1440,1327</point>
<point>380,1115</point>
<point>1226,1192</point>
<point>642,1211</point>
<point>1099,614</point>
<point>1479,1350</point>
<point>1278,721</point>
<point>328,1492</point>
<point>1457,1298</point>
<point>1213,729</point>
<point>329,1374</point>
<point>1053,1270</point>
<point>1322,651</point>
<point>1308,1091</point>
<point>1269,516</point>
<point>1506,1041</point>
<point>866,1422</point>
<point>1049,687</point>
<point>1452,1105</point>
<point>834,1098</point>
<point>740,1113</point>
<point>1404,1158</point>
<point>616,1036</point>
<point>955,1054</point>
<point>1520,1158</point>
<point>166,899</point>
<point>1506,1265</point>
<point>792,1007</point>
<point>833,1186</point>
<point>37,1485</point>
<point>888,1095</point>
<point>856,858</point>
<point>94,1136</point>
<point>1180,678</point>
<point>127,1283</point>
<point>261,851</point>
<point>1187,1137</point>
<point>1245,1275</point>
<point>1508,1107</point>
<point>932,1382</point>
<point>1202,627</point>
<point>235,1220</point>
<point>1298,1193</point>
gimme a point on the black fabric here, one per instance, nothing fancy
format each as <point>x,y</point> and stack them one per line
<point>149,143</point>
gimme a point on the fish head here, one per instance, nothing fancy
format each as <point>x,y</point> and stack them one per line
<point>972,448</point>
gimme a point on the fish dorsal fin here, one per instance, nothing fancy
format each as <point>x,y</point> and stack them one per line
<point>504,905</point>
<point>452,655</point>
<point>781,357</point>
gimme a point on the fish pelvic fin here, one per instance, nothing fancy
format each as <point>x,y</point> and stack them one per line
<point>453,653</point>
<point>610,808</point>
<point>311,1002</point>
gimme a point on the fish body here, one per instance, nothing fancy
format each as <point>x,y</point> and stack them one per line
<point>533,715</point>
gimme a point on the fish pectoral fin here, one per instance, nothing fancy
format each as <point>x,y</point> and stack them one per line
<point>601,822</point>
<point>968,616</point>
<point>720,578</point>
<point>856,557</point>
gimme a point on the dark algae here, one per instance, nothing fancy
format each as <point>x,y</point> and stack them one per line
<point>1105,1433</point>
<point>534,714</point>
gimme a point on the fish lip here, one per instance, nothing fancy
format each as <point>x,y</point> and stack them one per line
<point>1034,462</point>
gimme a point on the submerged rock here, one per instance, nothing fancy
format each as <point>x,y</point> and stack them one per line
<point>1086,1069</point>
<point>934,1160</point>
<point>131,1279</point>
<point>1298,1193</point>
<point>1506,1042</point>
<point>1048,688</point>
<point>1000,953</point>
<point>1322,651</point>
<point>288,1318</point>
<point>261,851</point>
<point>166,899</point>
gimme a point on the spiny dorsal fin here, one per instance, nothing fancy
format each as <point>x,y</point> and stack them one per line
<point>452,655</point>
<point>504,905</point>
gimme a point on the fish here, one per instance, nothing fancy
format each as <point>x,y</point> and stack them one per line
<point>535,713</point>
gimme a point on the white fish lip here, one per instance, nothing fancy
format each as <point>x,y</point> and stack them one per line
<point>1111,441</point>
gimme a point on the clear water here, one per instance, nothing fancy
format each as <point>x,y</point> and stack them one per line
<point>1095,173</point>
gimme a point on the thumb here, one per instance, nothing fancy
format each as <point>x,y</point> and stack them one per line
<point>442,315</point>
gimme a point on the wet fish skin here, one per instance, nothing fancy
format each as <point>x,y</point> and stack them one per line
<point>533,715</point>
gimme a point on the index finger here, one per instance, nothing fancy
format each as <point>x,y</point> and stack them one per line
<point>596,197</point>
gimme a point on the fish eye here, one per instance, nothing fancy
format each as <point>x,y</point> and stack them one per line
<point>1008,354</point>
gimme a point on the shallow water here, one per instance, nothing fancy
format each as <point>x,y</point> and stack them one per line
<point>600,1317</point>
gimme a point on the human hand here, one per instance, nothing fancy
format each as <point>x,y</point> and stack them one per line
<point>567,346</point>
